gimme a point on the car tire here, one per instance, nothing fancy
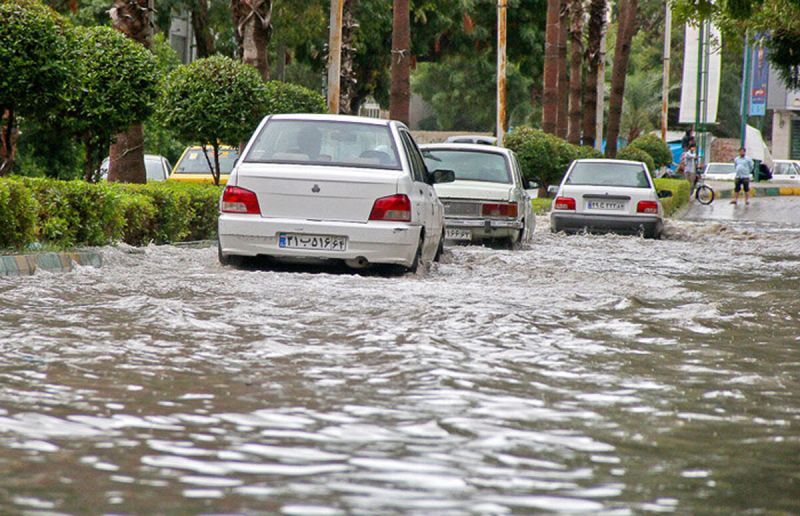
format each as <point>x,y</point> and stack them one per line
<point>414,267</point>
<point>228,259</point>
<point>439,250</point>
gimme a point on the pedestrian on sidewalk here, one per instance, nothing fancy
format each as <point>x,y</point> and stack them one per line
<point>744,168</point>
<point>689,162</point>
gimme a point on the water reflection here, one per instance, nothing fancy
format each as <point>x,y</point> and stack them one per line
<point>587,373</point>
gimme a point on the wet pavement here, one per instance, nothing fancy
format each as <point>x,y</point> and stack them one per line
<point>583,374</point>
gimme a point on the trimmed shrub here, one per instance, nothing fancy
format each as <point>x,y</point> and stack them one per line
<point>204,204</point>
<point>634,154</point>
<point>680,194</point>
<point>544,157</point>
<point>18,211</point>
<point>285,97</point>
<point>655,147</point>
<point>139,213</point>
<point>173,212</point>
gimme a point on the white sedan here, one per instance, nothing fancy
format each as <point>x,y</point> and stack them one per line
<point>332,187</point>
<point>785,170</point>
<point>488,200</point>
<point>606,195</point>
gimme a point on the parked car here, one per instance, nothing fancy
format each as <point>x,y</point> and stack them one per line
<point>156,167</point>
<point>720,172</point>
<point>488,200</point>
<point>785,170</point>
<point>472,138</point>
<point>606,195</point>
<point>332,187</point>
<point>193,167</point>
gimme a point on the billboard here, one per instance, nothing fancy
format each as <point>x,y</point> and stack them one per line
<point>690,74</point>
<point>759,79</point>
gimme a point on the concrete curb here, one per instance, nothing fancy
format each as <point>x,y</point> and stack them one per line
<point>763,191</point>
<point>28,264</point>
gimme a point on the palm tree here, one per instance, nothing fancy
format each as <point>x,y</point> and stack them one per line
<point>400,92</point>
<point>597,20</point>
<point>252,23</point>
<point>563,84</point>
<point>641,110</point>
<point>126,155</point>
<point>550,89</point>
<point>575,71</point>
<point>622,52</point>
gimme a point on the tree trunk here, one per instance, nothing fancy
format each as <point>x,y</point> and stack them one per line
<point>347,81</point>
<point>563,83</point>
<point>202,34</point>
<point>8,141</point>
<point>597,20</point>
<point>126,154</point>
<point>400,93</point>
<point>252,23</point>
<point>622,51</point>
<point>550,73</point>
<point>575,72</point>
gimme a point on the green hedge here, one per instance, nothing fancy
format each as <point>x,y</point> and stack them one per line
<point>680,194</point>
<point>636,154</point>
<point>76,213</point>
<point>655,147</point>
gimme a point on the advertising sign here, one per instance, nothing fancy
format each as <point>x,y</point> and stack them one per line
<point>759,79</point>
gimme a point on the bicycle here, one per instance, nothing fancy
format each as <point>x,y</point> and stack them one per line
<point>703,193</point>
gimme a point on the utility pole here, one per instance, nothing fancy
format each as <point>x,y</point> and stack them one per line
<point>665,78</point>
<point>745,91</point>
<point>502,9</point>
<point>335,56</point>
<point>698,106</point>
<point>400,90</point>
<point>601,85</point>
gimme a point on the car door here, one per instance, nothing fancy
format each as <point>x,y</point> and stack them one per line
<point>424,197</point>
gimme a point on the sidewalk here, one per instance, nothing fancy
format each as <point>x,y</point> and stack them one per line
<point>28,264</point>
<point>724,189</point>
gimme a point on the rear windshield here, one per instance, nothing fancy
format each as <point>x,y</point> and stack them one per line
<point>193,161</point>
<point>489,167</point>
<point>315,142</point>
<point>609,174</point>
<point>721,168</point>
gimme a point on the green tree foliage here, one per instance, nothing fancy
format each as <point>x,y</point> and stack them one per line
<point>461,91</point>
<point>213,101</point>
<point>116,80</point>
<point>654,146</point>
<point>284,97</point>
<point>544,157</point>
<point>635,154</point>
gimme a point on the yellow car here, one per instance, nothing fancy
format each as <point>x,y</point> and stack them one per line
<point>192,167</point>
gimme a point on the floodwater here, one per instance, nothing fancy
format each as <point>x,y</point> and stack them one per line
<point>583,374</point>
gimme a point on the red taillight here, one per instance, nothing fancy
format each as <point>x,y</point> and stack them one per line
<point>239,200</point>
<point>499,210</point>
<point>394,207</point>
<point>564,203</point>
<point>647,207</point>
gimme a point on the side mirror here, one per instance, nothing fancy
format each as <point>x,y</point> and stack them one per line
<point>663,194</point>
<point>552,189</point>
<point>442,176</point>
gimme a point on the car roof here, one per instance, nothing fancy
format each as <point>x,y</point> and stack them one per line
<point>474,147</point>
<point>332,118</point>
<point>608,160</point>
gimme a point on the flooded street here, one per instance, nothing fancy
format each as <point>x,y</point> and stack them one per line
<point>585,373</point>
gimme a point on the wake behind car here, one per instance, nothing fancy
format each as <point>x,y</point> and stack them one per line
<point>606,195</point>
<point>332,187</point>
<point>488,200</point>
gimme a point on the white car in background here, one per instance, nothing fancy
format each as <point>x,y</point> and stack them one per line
<point>156,167</point>
<point>332,187</point>
<point>488,199</point>
<point>606,195</point>
<point>720,172</point>
<point>785,170</point>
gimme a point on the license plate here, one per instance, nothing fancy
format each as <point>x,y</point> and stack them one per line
<point>319,242</point>
<point>457,234</point>
<point>606,205</point>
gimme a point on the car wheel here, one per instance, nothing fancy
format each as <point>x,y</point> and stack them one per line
<point>417,256</point>
<point>228,259</point>
<point>440,249</point>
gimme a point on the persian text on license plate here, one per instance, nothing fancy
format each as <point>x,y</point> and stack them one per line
<point>320,242</point>
<point>457,234</point>
<point>605,205</point>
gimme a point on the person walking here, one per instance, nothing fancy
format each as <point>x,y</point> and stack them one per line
<point>744,167</point>
<point>689,162</point>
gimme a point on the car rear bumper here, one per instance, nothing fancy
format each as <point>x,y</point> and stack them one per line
<point>485,228</point>
<point>377,242</point>
<point>624,224</point>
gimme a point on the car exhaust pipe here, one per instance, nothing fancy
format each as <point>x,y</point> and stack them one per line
<point>357,263</point>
